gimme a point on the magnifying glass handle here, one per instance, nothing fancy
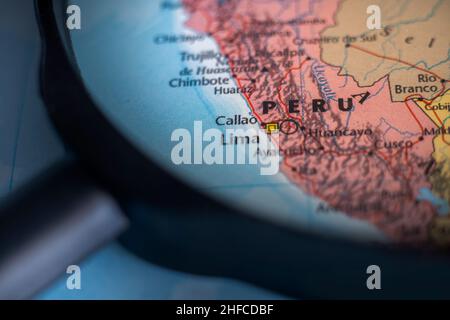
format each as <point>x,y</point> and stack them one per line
<point>50,225</point>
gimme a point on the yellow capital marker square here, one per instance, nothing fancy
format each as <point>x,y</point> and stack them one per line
<point>272,128</point>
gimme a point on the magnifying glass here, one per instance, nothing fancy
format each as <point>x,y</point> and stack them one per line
<point>225,147</point>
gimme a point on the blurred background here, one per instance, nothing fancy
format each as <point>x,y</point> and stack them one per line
<point>29,145</point>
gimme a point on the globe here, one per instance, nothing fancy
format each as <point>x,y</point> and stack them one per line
<point>330,117</point>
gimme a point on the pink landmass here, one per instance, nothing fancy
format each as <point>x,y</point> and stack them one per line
<point>373,177</point>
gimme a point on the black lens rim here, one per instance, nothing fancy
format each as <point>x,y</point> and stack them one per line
<point>278,258</point>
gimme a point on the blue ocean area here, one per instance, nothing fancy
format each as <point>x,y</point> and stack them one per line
<point>441,205</point>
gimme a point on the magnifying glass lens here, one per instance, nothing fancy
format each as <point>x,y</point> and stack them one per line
<point>327,118</point>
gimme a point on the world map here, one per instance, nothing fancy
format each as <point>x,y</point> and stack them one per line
<point>363,115</point>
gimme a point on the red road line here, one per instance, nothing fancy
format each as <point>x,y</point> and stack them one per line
<point>428,102</point>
